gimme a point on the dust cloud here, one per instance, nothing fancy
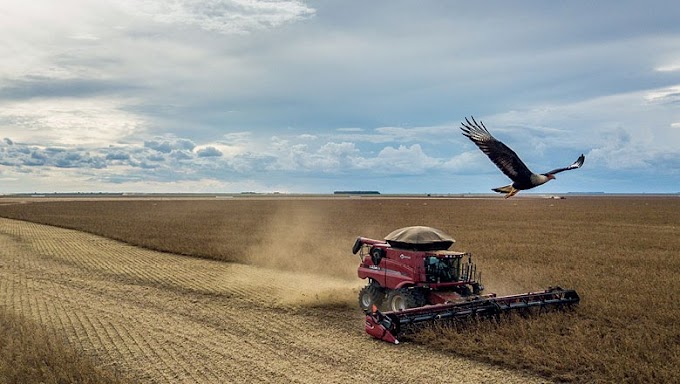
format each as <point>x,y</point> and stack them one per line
<point>503,287</point>
<point>322,294</point>
<point>496,279</point>
<point>303,241</point>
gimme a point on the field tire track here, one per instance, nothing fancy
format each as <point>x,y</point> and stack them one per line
<point>165,318</point>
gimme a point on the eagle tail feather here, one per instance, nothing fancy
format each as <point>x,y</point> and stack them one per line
<point>509,190</point>
<point>506,189</point>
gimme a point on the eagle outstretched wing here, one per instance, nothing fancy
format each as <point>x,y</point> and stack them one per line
<point>500,154</point>
<point>577,164</point>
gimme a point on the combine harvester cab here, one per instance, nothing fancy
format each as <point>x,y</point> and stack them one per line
<point>415,278</point>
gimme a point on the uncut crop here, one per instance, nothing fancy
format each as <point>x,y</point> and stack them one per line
<point>621,254</point>
<point>29,354</point>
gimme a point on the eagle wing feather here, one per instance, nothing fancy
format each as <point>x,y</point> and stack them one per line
<point>577,164</point>
<point>500,154</point>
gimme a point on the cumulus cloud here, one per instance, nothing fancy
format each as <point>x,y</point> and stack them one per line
<point>19,155</point>
<point>209,152</point>
<point>118,155</point>
<point>167,153</point>
<point>343,157</point>
<point>404,160</point>
<point>181,155</point>
<point>169,145</point>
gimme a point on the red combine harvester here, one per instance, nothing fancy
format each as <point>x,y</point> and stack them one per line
<point>414,278</point>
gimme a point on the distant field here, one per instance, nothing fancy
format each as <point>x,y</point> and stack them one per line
<point>622,254</point>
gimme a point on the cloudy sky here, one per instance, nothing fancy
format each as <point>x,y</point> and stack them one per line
<point>325,95</point>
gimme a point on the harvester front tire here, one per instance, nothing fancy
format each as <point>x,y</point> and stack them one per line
<point>371,295</point>
<point>405,298</point>
<point>357,246</point>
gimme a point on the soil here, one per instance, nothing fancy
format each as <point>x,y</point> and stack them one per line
<point>166,318</point>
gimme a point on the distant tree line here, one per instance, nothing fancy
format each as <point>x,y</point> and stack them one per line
<point>356,193</point>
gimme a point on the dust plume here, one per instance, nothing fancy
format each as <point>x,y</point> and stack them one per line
<point>323,294</point>
<point>302,239</point>
<point>496,279</point>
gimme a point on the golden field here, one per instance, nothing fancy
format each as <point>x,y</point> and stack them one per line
<point>621,254</point>
<point>29,354</point>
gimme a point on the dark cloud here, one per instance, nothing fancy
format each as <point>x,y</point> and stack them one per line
<point>39,155</point>
<point>209,152</point>
<point>181,155</point>
<point>147,165</point>
<point>169,155</point>
<point>163,147</point>
<point>155,157</point>
<point>69,160</point>
<point>167,146</point>
<point>118,155</point>
<point>18,155</point>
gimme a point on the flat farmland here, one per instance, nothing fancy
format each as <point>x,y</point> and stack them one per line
<point>290,260</point>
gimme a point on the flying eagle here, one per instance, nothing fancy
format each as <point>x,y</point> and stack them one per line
<point>508,162</point>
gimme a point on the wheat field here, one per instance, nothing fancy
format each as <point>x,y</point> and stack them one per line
<point>621,254</point>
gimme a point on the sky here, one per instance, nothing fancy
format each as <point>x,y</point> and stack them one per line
<point>293,96</point>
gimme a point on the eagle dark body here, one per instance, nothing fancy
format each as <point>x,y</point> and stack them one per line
<point>507,160</point>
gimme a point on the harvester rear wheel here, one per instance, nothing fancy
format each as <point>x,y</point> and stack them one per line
<point>370,295</point>
<point>404,298</point>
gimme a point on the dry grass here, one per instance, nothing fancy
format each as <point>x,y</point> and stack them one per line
<point>28,354</point>
<point>622,254</point>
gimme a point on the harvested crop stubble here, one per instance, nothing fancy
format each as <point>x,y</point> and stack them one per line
<point>166,318</point>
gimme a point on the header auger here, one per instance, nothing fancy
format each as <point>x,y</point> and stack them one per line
<point>414,278</point>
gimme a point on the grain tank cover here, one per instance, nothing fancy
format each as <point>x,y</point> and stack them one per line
<point>419,238</point>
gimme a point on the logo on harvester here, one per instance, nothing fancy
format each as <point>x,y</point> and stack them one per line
<point>402,256</point>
